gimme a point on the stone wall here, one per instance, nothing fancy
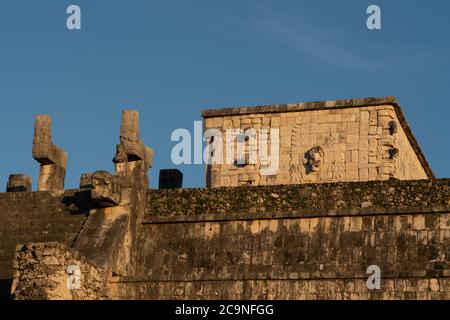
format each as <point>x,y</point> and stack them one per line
<point>354,197</point>
<point>294,242</point>
<point>37,217</point>
<point>331,141</point>
<point>52,271</point>
<point>291,257</point>
<point>308,241</point>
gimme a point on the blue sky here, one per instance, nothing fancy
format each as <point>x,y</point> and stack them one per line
<point>171,59</point>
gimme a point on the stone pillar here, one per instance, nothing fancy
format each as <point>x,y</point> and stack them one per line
<point>170,179</point>
<point>53,159</point>
<point>18,183</point>
<point>131,153</point>
<point>119,202</point>
<point>129,128</point>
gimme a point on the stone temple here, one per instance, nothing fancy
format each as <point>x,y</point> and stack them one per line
<point>353,140</point>
<point>302,202</point>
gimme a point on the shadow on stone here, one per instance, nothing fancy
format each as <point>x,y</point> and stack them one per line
<point>79,202</point>
<point>5,289</point>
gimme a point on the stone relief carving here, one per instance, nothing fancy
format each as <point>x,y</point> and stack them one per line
<point>313,159</point>
<point>393,153</point>
<point>295,169</point>
<point>392,127</point>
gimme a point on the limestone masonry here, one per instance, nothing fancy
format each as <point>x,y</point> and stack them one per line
<point>350,140</point>
<point>352,189</point>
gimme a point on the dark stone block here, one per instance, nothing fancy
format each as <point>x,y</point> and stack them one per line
<point>170,179</point>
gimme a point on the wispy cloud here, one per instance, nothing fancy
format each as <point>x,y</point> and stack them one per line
<point>311,43</point>
<point>332,46</point>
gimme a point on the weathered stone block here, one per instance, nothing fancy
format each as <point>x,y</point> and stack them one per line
<point>61,275</point>
<point>51,177</point>
<point>131,153</point>
<point>105,189</point>
<point>44,151</point>
<point>53,159</point>
<point>18,183</point>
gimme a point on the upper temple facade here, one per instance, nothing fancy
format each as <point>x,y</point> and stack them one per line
<point>316,142</point>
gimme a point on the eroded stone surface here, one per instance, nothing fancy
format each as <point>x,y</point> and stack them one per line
<point>18,183</point>
<point>53,159</point>
<point>52,271</point>
<point>105,188</point>
<point>131,147</point>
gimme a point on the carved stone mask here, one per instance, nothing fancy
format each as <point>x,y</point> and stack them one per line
<point>314,159</point>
